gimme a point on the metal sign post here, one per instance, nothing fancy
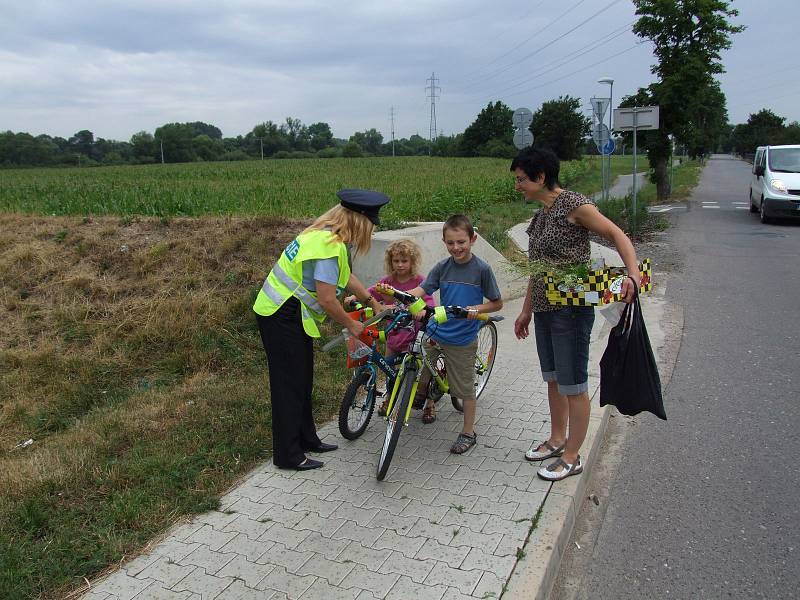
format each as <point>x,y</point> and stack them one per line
<point>599,108</point>
<point>633,119</point>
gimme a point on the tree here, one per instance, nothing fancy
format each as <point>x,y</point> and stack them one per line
<point>143,147</point>
<point>320,136</point>
<point>688,36</point>
<point>369,141</point>
<point>296,134</point>
<point>762,128</point>
<point>176,139</point>
<point>492,123</point>
<point>200,128</point>
<point>560,126</point>
<point>352,150</point>
<point>82,142</point>
<point>271,135</point>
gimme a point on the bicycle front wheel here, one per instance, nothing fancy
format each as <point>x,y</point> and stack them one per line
<point>484,361</point>
<point>395,421</point>
<point>357,405</point>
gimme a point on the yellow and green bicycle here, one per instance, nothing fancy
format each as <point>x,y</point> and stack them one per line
<point>403,372</point>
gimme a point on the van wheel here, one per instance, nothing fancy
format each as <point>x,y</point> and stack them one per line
<point>753,207</point>
<point>763,213</point>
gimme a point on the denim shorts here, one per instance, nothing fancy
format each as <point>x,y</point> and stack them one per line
<point>562,342</point>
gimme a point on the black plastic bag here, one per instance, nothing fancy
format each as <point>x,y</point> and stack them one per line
<point>628,373</point>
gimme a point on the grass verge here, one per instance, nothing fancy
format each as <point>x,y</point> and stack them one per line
<point>130,356</point>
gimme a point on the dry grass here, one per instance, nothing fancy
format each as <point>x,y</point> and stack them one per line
<point>130,355</point>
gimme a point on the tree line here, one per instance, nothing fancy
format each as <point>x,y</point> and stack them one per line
<point>558,124</point>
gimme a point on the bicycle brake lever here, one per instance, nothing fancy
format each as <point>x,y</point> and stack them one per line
<point>340,338</point>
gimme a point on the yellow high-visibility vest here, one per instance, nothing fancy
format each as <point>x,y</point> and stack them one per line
<point>286,277</point>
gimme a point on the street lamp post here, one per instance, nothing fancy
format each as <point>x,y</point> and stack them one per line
<point>610,82</point>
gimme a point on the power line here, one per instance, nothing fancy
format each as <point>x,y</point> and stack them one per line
<point>536,87</point>
<point>553,41</point>
<point>572,56</point>
<point>533,35</point>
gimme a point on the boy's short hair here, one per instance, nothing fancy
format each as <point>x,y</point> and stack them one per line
<point>538,161</point>
<point>406,249</point>
<point>459,222</point>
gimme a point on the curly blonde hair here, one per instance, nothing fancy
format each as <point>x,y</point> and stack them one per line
<point>405,249</point>
<point>347,226</point>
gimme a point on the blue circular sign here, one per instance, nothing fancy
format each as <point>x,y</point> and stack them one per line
<point>609,147</point>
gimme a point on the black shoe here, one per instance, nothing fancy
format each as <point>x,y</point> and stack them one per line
<point>323,447</point>
<point>308,464</point>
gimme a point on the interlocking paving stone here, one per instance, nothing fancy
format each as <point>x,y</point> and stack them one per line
<point>294,586</point>
<point>366,579</point>
<point>418,493</point>
<point>466,581</point>
<point>406,588</point>
<point>282,556</point>
<point>122,586</point>
<point>416,569</point>
<point>328,547</point>
<point>175,550</point>
<point>210,560</point>
<point>251,549</point>
<point>330,570</point>
<point>165,571</point>
<point>433,531</point>
<point>479,560</point>
<point>358,533</point>
<point>322,590</point>
<point>316,523</point>
<point>159,592</point>
<point>252,528</point>
<point>466,537</point>
<point>368,557</point>
<point>239,591</point>
<point>212,538</point>
<point>249,572</point>
<point>489,584</point>
<point>433,550</point>
<point>406,545</point>
<point>200,582</point>
<point>386,520</point>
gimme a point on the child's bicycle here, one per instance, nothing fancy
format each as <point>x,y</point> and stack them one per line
<point>403,372</point>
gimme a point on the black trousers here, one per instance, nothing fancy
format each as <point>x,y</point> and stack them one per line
<point>290,355</point>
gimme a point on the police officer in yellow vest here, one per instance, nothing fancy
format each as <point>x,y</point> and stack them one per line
<point>304,287</point>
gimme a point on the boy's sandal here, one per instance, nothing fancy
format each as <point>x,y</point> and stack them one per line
<point>544,451</point>
<point>463,443</point>
<point>551,472</point>
<point>428,414</point>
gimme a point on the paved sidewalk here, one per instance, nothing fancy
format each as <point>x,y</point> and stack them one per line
<point>440,526</point>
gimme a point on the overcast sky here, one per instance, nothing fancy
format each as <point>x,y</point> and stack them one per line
<point>116,67</point>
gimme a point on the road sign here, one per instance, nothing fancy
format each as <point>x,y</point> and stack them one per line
<point>521,118</point>
<point>600,135</point>
<point>642,117</point>
<point>523,138</point>
<point>609,147</point>
<point>600,106</point>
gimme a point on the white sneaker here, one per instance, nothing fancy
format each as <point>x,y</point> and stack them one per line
<point>551,472</point>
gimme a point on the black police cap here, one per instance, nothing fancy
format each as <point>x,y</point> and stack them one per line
<point>366,202</point>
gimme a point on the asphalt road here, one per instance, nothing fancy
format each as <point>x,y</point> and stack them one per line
<point>707,504</point>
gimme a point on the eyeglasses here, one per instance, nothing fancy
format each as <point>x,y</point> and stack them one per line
<point>521,179</point>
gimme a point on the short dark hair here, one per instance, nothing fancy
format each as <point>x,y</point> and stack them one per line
<point>459,222</point>
<point>538,161</point>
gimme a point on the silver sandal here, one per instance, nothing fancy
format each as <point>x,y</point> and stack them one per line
<point>550,451</point>
<point>551,472</point>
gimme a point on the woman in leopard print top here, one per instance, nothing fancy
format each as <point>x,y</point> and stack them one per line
<point>559,235</point>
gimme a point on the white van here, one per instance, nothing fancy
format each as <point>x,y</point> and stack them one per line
<point>775,184</point>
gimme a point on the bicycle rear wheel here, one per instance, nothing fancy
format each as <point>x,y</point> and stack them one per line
<point>357,405</point>
<point>395,421</point>
<point>484,361</point>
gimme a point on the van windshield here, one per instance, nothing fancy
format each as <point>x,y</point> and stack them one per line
<point>784,160</point>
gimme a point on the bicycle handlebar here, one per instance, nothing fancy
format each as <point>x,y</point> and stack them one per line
<point>416,305</point>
